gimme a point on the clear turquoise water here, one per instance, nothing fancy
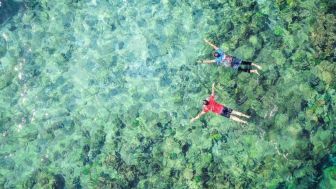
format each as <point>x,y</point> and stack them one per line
<point>99,94</point>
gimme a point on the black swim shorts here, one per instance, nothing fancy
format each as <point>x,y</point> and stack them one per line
<point>226,112</point>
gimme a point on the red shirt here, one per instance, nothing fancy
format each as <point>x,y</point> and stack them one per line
<point>213,106</point>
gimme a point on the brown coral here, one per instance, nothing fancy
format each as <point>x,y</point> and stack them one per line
<point>323,35</point>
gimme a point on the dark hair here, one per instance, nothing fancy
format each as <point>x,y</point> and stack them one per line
<point>205,102</point>
<point>216,54</point>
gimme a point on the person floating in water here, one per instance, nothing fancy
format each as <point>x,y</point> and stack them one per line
<point>215,107</point>
<point>222,59</point>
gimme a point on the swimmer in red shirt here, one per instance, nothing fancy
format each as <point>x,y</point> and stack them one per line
<point>215,107</point>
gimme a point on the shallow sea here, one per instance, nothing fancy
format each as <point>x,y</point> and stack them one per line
<point>100,93</point>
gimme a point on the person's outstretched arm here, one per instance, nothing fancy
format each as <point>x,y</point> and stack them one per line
<point>198,116</point>
<point>212,45</point>
<point>206,61</point>
<point>213,90</point>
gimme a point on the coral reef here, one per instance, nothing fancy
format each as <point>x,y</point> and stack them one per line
<point>99,94</point>
<point>323,36</point>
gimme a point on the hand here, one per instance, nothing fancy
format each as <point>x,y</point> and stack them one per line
<point>213,85</point>
<point>199,61</point>
<point>206,40</point>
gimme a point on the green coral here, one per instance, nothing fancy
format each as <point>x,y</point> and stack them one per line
<point>103,106</point>
<point>329,178</point>
<point>278,31</point>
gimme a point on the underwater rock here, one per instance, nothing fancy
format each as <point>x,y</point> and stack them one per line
<point>91,20</point>
<point>86,160</point>
<point>241,99</point>
<point>227,28</point>
<point>142,23</point>
<point>113,27</point>
<point>5,79</point>
<point>9,9</point>
<point>59,81</point>
<point>90,65</point>
<point>71,102</point>
<point>185,148</point>
<point>121,18</point>
<point>7,163</point>
<point>59,182</point>
<point>86,149</point>
<point>205,177</point>
<point>153,50</point>
<point>121,45</point>
<point>323,35</point>
<point>98,141</point>
<point>159,24</point>
<point>68,19</point>
<point>314,81</point>
<point>114,92</point>
<point>3,47</point>
<point>67,56</point>
<point>76,183</point>
<point>197,14</point>
<point>304,104</point>
<point>30,182</point>
<point>45,161</point>
<point>320,88</point>
<point>165,80</point>
<point>66,88</point>
<point>114,60</point>
<point>148,97</point>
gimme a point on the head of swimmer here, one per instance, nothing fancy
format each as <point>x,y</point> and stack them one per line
<point>205,102</point>
<point>216,54</point>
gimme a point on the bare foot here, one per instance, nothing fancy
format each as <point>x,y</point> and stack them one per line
<point>256,65</point>
<point>246,116</point>
<point>255,71</point>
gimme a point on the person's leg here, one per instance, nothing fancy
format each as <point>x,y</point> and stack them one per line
<point>256,65</point>
<point>254,71</point>
<point>247,63</point>
<point>234,118</point>
<point>239,114</point>
<point>248,70</point>
<point>244,70</point>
